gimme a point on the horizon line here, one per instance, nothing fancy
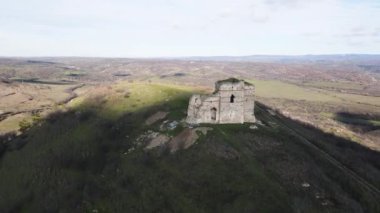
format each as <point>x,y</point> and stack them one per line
<point>198,56</point>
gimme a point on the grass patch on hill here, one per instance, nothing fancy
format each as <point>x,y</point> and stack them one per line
<point>123,98</point>
<point>12,123</point>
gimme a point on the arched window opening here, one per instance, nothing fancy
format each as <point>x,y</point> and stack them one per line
<point>213,113</point>
<point>232,99</point>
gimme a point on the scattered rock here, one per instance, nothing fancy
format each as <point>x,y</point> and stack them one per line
<point>172,125</point>
<point>271,112</point>
<point>272,124</point>
<point>145,137</point>
<point>253,127</point>
<point>259,122</point>
<point>163,125</point>
<point>321,196</point>
<point>155,117</point>
<point>318,195</point>
<point>187,138</point>
<point>204,130</point>
<point>129,150</point>
<point>157,141</point>
<point>183,140</point>
<point>188,125</point>
<point>325,203</point>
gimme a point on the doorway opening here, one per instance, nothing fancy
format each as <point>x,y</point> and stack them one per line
<point>213,113</point>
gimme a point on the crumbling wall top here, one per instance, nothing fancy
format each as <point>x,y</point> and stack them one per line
<point>232,84</point>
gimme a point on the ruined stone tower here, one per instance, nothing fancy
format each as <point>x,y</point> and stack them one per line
<point>231,102</point>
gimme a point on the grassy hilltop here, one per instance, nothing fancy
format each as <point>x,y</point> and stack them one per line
<point>89,158</point>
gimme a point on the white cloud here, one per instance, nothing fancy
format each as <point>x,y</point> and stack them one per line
<point>188,27</point>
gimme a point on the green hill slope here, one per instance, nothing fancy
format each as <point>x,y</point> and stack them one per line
<point>89,159</point>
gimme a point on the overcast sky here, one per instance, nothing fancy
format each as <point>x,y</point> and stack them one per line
<point>155,28</point>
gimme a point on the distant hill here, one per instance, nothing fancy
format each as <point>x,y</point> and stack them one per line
<point>288,59</point>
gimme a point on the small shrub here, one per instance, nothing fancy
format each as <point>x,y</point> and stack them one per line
<point>36,117</point>
<point>25,124</point>
<point>119,90</point>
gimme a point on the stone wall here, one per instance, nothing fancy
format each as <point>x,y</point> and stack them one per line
<point>200,109</point>
<point>232,102</point>
<point>249,104</point>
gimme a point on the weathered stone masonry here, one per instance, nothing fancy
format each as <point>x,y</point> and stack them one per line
<point>232,102</point>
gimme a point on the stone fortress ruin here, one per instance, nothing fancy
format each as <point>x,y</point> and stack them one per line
<point>231,102</point>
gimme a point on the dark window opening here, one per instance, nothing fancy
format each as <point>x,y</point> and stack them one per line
<point>213,113</point>
<point>232,99</point>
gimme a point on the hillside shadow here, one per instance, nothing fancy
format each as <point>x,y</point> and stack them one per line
<point>73,158</point>
<point>359,122</point>
<point>360,159</point>
<point>89,113</point>
<point>75,146</point>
